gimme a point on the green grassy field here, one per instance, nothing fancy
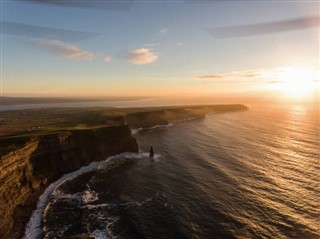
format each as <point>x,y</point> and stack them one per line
<point>20,126</point>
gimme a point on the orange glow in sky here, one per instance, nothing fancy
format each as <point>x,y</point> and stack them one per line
<point>297,82</point>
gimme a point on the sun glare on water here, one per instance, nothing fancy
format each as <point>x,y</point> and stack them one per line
<point>298,82</point>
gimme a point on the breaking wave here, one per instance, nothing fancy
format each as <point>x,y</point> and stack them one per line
<point>34,228</point>
<point>135,131</point>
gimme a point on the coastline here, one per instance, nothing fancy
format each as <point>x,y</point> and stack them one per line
<point>27,172</point>
<point>33,175</point>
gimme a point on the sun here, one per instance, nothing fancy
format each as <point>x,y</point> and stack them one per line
<point>297,82</point>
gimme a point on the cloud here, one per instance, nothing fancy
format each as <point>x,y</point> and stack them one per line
<point>265,27</point>
<point>164,30</point>
<point>34,31</point>
<point>142,56</point>
<point>107,58</point>
<point>234,74</point>
<point>101,5</point>
<point>64,50</point>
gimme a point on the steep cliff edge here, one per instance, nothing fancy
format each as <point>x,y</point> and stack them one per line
<point>146,119</point>
<point>165,115</point>
<point>25,172</point>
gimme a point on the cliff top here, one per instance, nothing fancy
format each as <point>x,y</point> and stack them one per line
<point>18,127</point>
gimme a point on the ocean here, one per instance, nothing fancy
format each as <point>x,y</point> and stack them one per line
<point>250,174</point>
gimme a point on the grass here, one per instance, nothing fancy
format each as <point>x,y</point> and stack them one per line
<point>19,126</point>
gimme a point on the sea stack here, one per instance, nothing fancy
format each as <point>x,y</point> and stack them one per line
<point>151,152</point>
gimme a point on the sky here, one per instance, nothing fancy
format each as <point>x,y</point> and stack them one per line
<point>159,48</point>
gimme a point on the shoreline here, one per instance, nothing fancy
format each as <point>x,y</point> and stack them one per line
<point>32,229</point>
<point>27,172</point>
<point>32,226</point>
<point>34,167</point>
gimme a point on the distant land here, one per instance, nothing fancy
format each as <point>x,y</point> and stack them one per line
<point>6,101</point>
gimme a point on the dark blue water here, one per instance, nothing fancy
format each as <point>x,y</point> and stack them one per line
<point>252,174</point>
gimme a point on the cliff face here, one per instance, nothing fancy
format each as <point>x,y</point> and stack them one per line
<point>146,119</point>
<point>162,117</point>
<point>25,172</point>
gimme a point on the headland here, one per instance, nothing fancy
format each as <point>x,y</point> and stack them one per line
<point>38,146</point>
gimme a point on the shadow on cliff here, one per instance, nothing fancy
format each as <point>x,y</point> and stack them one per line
<point>51,157</point>
<point>67,152</point>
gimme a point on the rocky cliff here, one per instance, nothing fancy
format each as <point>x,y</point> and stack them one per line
<point>25,172</point>
<point>164,116</point>
<point>146,119</point>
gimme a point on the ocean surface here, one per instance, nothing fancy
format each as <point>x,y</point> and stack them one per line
<point>251,174</point>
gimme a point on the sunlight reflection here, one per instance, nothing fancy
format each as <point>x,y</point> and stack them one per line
<point>297,112</point>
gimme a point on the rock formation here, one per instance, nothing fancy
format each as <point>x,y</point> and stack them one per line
<point>27,171</point>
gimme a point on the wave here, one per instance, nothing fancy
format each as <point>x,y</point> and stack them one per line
<point>89,195</point>
<point>34,228</point>
<point>97,234</point>
<point>171,123</point>
<point>186,119</point>
<point>164,126</point>
<point>143,155</point>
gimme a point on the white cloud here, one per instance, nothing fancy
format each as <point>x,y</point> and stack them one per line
<point>107,58</point>
<point>64,50</point>
<point>234,74</point>
<point>164,30</point>
<point>142,56</point>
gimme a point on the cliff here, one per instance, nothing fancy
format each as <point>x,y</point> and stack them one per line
<point>146,119</point>
<point>26,171</point>
<point>226,108</point>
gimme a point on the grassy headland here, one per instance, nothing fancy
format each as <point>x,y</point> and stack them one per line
<point>17,127</point>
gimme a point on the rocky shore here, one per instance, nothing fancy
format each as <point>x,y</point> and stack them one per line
<point>25,173</point>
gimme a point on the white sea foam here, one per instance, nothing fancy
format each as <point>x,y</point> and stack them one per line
<point>89,195</point>
<point>34,228</point>
<point>102,205</point>
<point>97,234</point>
<point>135,131</point>
<point>186,119</point>
<point>144,155</point>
